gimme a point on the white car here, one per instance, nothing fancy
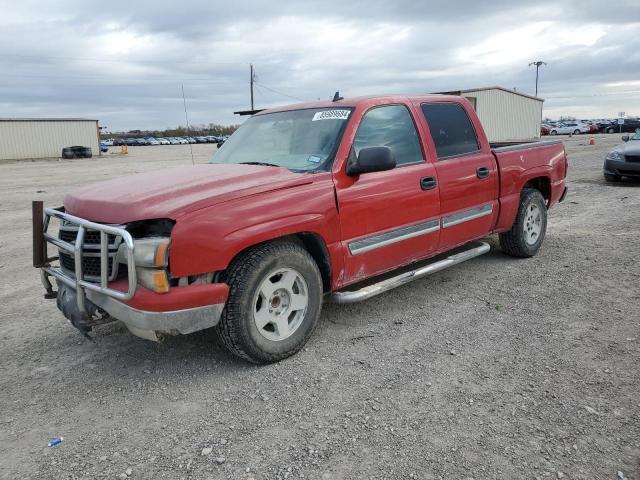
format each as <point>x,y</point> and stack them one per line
<point>566,128</point>
<point>163,141</point>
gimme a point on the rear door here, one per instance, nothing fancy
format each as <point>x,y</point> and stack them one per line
<point>467,174</point>
<point>388,218</point>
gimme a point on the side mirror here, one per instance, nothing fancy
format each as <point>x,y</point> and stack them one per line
<point>371,159</point>
<point>625,138</point>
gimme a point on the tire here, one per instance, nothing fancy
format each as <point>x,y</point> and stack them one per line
<point>553,132</point>
<point>612,178</point>
<point>520,241</point>
<point>576,132</point>
<point>67,153</point>
<point>270,268</point>
<point>610,130</point>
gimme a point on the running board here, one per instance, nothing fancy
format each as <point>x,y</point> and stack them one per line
<point>385,285</point>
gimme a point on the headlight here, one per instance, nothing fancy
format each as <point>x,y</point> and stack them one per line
<point>151,252</point>
<point>151,256</point>
<point>615,155</point>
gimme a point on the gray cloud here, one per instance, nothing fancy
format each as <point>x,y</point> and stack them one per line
<point>124,62</point>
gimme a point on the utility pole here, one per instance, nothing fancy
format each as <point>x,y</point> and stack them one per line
<point>538,64</point>
<point>251,80</point>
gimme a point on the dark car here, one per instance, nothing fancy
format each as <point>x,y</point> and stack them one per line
<point>630,125</point>
<point>624,160</point>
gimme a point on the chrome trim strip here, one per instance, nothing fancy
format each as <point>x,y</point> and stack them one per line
<point>387,238</point>
<point>467,215</point>
<point>390,283</point>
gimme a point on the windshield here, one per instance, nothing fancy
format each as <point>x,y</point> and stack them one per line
<point>636,136</point>
<point>302,140</point>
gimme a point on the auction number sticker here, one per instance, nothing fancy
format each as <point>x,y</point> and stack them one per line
<point>332,114</point>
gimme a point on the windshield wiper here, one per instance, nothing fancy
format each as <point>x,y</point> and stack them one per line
<point>261,163</point>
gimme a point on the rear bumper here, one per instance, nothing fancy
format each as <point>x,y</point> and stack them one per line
<point>622,168</point>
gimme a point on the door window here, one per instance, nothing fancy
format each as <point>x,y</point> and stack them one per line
<point>390,126</point>
<point>451,129</point>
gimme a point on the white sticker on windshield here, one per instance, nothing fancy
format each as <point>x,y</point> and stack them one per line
<point>331,115</point>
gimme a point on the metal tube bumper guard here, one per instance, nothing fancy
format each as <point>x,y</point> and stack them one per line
<point>145,313</point>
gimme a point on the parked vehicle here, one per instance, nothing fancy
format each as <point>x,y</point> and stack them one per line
<point>152,141</point>
<point>190,140</point>
<point>108,142</point>
<point>174,141</point>
<point>303,203</point>
<point>182,141</point>
<point>624,160</point>
<point>630,125</point>
<point>104,148</point>
<point>201,140</point>
<point>544,129</point>
<point>569,128</point>
<point>163,141</point>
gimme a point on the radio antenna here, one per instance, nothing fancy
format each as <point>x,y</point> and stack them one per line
<point>186,116</point>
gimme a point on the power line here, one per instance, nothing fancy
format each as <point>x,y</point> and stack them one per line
<point>279,93</point>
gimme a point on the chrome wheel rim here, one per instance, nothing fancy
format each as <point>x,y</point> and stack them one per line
<point>280,304</point>
<point>532,224</point>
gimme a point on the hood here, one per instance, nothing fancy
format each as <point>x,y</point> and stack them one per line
<point>172,192</point>
<point>632,147</point>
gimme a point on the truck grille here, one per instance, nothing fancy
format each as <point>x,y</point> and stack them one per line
<point>91,267</point>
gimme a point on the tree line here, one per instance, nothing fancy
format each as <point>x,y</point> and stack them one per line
<point>179,131</point>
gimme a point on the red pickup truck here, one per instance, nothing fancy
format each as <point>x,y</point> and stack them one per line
<point>337,200</point>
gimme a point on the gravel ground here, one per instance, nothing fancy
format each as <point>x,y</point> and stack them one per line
<point>497,368</point>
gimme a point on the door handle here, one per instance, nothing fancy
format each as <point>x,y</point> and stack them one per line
<point>482,172</point>
<point>427,183</point>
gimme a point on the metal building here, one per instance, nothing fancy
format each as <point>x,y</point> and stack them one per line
<point>506,115</point>
<point>45,137</point>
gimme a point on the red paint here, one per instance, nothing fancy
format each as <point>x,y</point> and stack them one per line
<point>221,210</point>
<point>178,298</point>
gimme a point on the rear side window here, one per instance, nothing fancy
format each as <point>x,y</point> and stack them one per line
<point>451,129</point>
<point>390,126</point>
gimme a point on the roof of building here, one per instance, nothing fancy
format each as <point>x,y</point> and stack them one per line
<point>471,90</point>
<point>47,120</point>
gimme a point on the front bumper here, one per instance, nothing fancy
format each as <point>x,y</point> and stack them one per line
<point>88,302</point>
<point>622,168</point>
<point>181,311</point>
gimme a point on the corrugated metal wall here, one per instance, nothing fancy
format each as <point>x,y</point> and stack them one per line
<point>507,116</point>
<point>45,138</point>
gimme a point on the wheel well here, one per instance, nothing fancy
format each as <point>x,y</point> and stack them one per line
<point>542,184</point>
<point>316,247</point>
<point>312,243</point>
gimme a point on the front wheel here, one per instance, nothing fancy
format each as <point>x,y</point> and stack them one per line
<point>576,132</point>
<point>528,231</point>
<point>553,132</point>
<point>274,303</point>
<point>612,178</point>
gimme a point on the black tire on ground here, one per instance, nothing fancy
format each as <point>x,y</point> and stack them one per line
<point>576,132</point>
<point>237,327</point>
<point>612,178</point>
<point>610,130</point>
<point>516,242</point>
<point>86,152</point>
<point>553,132</point>
<point>67,153</point>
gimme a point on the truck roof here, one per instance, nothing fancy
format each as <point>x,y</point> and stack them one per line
<point>362,101</point>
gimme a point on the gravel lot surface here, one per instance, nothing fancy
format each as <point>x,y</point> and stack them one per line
<point>497,368</point>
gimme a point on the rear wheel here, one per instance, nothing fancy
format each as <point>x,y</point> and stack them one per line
<point>528,231</point>
<point>274,302</point>
<point>610,130</point>
<point>553,132</point>
<point>576,132</point>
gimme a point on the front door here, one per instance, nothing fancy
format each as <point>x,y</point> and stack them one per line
<point>467,175</point>
<point>388,218</point>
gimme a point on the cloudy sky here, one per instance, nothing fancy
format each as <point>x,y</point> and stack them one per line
<point>124,62</point>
